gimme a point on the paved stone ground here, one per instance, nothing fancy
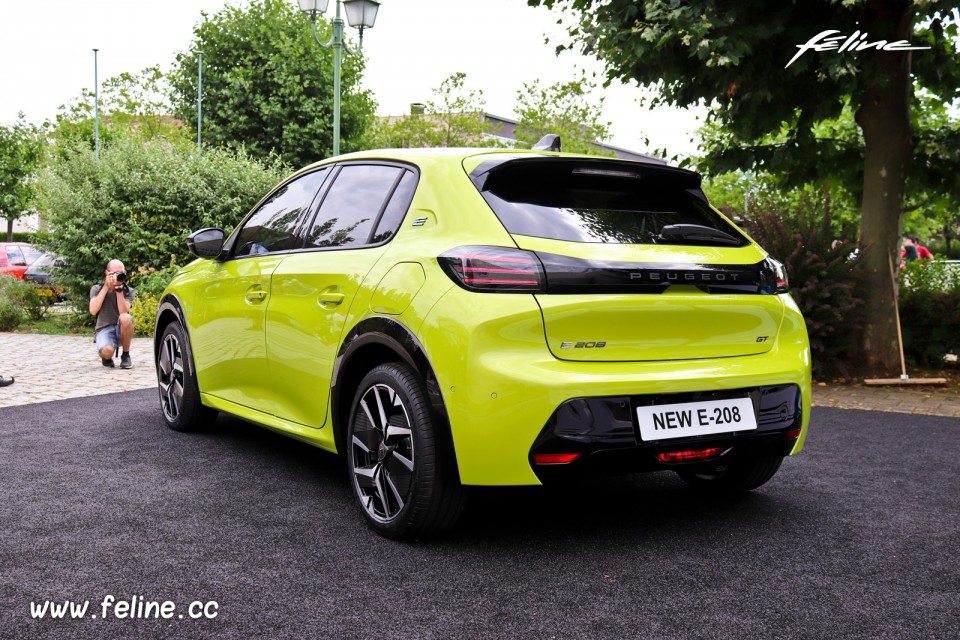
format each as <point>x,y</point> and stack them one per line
<point>59,367</point>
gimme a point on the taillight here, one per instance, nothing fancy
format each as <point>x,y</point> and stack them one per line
<point>690,455</point>
<point>775,277</point>
<point>494,269</point>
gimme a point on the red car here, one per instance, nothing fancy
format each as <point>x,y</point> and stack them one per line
<point>15,257</point>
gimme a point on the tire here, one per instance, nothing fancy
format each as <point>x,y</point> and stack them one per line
<point>179,393</point>
<point>733,477</point>
<point>401,470</point>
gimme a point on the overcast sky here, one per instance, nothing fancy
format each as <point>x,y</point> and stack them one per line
<point>47,58</point>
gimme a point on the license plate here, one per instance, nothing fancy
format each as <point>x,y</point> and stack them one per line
<point>44,292</point>
<point>665,421</point>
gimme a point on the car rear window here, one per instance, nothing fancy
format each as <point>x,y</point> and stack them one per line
<point>599,201</point>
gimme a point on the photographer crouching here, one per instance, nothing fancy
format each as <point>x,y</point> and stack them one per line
<point>110,302</point>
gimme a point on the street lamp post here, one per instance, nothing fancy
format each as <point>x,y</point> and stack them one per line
<point>361,14</point>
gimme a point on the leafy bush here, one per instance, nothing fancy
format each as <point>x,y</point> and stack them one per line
<point>139,203</point>
<point>144,312</point>
<point>824,281</point>
<point>25,295</point>
<point>930,311</point>
<point>10,314</point>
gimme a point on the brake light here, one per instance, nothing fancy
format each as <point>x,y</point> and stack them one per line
<point>555,458</point>
<point>690,455</point>
<point>494,269</point>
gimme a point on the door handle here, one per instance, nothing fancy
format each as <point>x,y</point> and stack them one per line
<point>331,299</point>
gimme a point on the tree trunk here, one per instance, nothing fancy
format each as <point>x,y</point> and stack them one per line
<point>884,118</point>
<point>9,229</point>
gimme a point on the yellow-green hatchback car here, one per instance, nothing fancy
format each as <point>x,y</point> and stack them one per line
<point>453,317</point>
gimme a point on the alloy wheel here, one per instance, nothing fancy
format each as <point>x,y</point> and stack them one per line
<point>381,452</point>
<point>170,377</point>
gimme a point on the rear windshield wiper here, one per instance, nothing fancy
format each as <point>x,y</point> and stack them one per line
<point>696,233</point>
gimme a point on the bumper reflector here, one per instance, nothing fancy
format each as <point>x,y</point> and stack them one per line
<point>690,455</point>
<point>793,434</point>
<point>555,458</point>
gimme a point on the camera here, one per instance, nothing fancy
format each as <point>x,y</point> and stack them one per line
<point>120,275</point>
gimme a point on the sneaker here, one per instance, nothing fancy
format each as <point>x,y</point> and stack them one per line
<point>125,362</point>
<point>107,362</point>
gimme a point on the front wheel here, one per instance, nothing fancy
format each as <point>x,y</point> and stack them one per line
<point>179,393</point>
<point>734,476</point>
<point>407,488</point>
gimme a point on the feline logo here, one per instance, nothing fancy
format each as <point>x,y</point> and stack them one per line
<point>824,41</point>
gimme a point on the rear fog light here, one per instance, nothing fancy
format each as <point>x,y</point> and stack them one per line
<point>555,458</point>
<point>690,455</point>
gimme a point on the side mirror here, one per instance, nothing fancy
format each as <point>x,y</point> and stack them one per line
<point>206,243</point>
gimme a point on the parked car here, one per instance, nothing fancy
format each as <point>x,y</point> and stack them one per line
<point>453,317</point>
<point>40,273</point>
<point>15,257</point>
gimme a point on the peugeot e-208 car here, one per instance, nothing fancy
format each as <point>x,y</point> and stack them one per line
<point>454,317</point>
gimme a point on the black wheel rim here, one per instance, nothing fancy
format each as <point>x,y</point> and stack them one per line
<point>170,377</point>
<point>381,452</point>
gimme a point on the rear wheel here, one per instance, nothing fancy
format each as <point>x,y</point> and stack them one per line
<point>407,488</point>
<point>734,476</point>
<point>179,393</point>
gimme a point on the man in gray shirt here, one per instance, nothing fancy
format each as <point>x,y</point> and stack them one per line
<point>110,302</point>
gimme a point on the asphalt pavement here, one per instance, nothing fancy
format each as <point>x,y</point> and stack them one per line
<point>854,538</point>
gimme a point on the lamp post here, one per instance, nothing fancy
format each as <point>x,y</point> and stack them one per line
<point>361,14</point>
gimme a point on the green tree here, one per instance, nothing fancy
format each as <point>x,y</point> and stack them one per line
<point>130,105</point>
<point>564,108</point>
<point>455,118</point>
<point>21,152</point>
<point>737,57</point>
<point>268,86</point>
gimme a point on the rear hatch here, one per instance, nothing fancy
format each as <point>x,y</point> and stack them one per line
<point>636,265</point>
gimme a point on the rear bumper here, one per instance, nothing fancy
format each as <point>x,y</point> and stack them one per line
<point>604,435</point>
<point>501,386</point>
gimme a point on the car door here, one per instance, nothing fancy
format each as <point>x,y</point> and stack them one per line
<point>16,263</point>
<point>228,327</point>
<point>313,290</point>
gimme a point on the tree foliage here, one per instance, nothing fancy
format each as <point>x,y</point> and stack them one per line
<point>139,203</point>
<point>21,152</point>
<point>455,118</point>
<point>563,108</point>
<point>734,56</point>
<point>130,105</point>
<point>268,86</point>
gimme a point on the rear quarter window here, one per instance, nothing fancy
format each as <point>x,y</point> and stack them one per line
<point>597,201</point>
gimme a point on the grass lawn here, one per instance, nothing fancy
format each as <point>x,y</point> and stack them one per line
<point>59,320</point>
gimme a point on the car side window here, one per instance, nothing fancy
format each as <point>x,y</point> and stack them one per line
<point>273,226</point>
<point>15,257</point>
<point>352,206</point>
<point>396,209</point>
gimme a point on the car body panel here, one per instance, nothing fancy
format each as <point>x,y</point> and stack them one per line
<point>311,297</point>
<point>227,312</point>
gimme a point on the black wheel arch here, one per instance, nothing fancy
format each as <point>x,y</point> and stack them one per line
<point>374,341</point>
<point>171,310</point>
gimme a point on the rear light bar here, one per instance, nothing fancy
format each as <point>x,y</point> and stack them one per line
<point>494,269</point>
<point>691,455</point>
